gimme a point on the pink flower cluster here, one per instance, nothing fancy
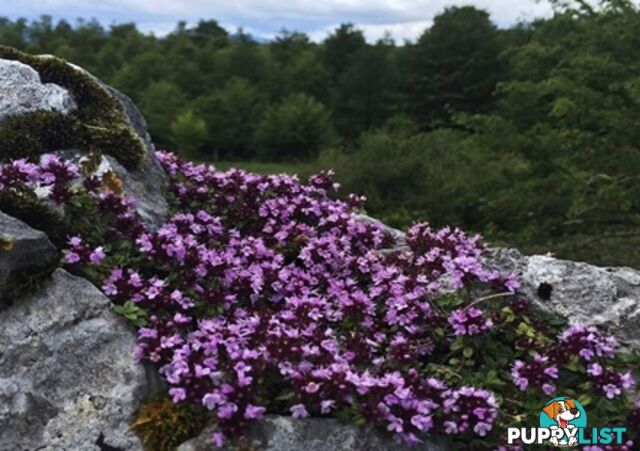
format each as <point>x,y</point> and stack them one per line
<point>469,321</point>
<point>265,287</point>
<point>53,176</point>
<point>81,253</point>
<point>609,381</point>
<point>539,372</point>
<point>584,342</point>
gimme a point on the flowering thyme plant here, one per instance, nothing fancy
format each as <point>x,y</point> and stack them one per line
<point>267,295</point>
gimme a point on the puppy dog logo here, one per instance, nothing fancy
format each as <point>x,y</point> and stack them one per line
<point>563,417</point>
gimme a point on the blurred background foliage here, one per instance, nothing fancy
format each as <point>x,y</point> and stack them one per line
<point>529,134</point>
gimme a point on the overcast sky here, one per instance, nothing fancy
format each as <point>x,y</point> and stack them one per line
<point>404,19</point>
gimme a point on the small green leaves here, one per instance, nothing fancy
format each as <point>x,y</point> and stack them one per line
<point>132,312</point>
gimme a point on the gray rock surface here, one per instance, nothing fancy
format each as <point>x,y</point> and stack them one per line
<point>145,184</point>
<point>21,91</point>
<point>67,377</point>
<point>580,292</point>
<point>277,433</point>
<point>21,248</point>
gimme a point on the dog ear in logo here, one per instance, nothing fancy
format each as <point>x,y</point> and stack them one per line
<point>551,410</point>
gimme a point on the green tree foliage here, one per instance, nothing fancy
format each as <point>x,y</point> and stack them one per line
<point>297,127</point>
<point>189,132</point>
<point>231,114</point>
<point>163,100</point>
<point>455,65</point>
<point>364,96</point>
<point>341,46</point>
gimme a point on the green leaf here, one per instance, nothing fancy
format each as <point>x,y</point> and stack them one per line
<point>585,399</point>
<point>285,396</point>
<point>457,344</point>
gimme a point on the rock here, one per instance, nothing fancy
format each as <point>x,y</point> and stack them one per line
<point>582,293</point>
<point>22,248</point>
<point>68,380</point>
<point>21,91</point>
<point>278,433</point>
<point>145,184</point>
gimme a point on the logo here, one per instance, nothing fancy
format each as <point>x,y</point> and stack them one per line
<point>563,417</point>
<point>563,423</point>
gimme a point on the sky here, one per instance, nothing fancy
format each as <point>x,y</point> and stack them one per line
<point>404,19</point>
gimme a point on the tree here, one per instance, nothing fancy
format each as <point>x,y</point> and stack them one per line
<point>231,114</point>
<point>455,66</point>
<point>189,132</point>
<point>364,96</point>
<point>297,127</point>
<point>340,47</point>
<point>287,45</point>
<point>207,31</point>
<point>306,73</point>
<point>159,103</point>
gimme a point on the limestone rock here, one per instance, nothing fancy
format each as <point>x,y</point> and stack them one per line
<point>145,184</point>
<point>580,292</point>
<point>21,248</point>
<point>67,376</point>
<point>21,91</point>
<point>279,433</point>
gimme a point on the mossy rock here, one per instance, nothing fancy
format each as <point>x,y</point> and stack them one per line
<point>29,209</point>
<point>99,124</point>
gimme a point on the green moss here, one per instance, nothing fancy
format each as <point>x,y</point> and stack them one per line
<point>163,425</point>
<point>116,136</point>
<point>21,135</point>
<point>98,124</point>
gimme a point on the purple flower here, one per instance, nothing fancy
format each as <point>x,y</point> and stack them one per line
<point>469,408</point>
<point>326,406</point>
<point>71,257</point>
<point>422,422</point>
<point>218,439</point>
<point>252,412</point>
<point>177,394</point>
<point>608,381</point>
<point>97,255</point>
<point>586,342</point>
<point>538,373</point>
<point>469,321</point>
<point>299,411</point>
<point>258,282</point>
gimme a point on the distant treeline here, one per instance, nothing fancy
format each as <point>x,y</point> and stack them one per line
<point>289,97</point>
<point>529,134</point>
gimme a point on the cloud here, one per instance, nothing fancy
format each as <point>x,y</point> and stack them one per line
<point>404,19</point>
